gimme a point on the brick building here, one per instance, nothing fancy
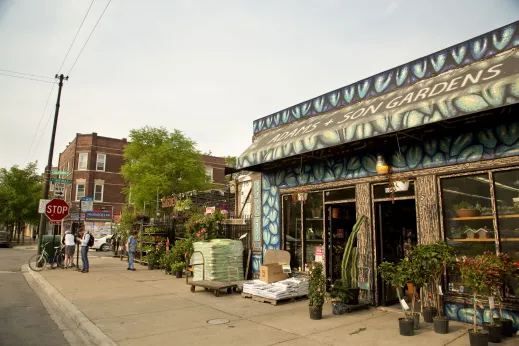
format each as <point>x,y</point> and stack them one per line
<point>94,163</point>
<point>214,169</point>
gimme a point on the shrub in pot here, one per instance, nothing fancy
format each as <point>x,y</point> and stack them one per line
<point>397,275</point>
<point>474,274</point>
<point>151,258</point>
<point>340,296</point>
<point>510,270</point>
<point>435,259</point>
<point>316,291</point>
<point>178,268</point>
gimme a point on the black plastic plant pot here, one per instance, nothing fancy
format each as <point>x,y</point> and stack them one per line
<point>178,275</point>
<point>316,312</point>
<point>354,300</point>
<point>150,266</point>
<point>494,332</point>
<point>478,339</point>
<point>441,325</point>
<point>507,328</point>
<point>428,314</point>
<point>406,326</point>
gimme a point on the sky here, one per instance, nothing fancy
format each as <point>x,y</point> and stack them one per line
<point>208,68</point>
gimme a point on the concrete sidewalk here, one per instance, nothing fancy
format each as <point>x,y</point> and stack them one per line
<point>150,308</point>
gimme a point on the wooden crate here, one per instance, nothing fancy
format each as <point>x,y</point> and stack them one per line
<point>272,301</point>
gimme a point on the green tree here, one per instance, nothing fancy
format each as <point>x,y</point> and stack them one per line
<point>20,191</point>
<point>158,161</point>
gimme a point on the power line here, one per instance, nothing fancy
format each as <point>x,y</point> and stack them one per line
<point>26,74</point>
<point>77,33</point>
<point>74,64</point>
<point>37,80</point>
<point>39,123</point>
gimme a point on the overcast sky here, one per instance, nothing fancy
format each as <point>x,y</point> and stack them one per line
<point>208,68</point>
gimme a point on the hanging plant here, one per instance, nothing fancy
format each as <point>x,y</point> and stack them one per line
<point>396,185</point>
<point>300,195</point>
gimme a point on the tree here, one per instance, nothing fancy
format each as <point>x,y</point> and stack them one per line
<point>20,191</point>
<point>160,162</point>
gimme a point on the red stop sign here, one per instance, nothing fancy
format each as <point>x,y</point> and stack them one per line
<point>57,209</point>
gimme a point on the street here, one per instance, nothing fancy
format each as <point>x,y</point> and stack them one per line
<point>23,318</point>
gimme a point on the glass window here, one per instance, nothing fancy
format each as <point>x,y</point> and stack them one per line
<point>506,187</point>
<point>292,230</point>
<point>98,193</point>
<point>83,161</point>
<point>313,225</point>
<point>468,219</point>
<point>101,162</point>
<point>209,173</point>
<point>80,191</point>
<point>382,191</point>
<point>339,195</point>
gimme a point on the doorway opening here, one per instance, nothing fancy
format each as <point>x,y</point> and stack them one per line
<point>396,227</point>
<point>340,218</point>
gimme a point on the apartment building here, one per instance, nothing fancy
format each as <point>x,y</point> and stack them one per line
<point>215,170</point>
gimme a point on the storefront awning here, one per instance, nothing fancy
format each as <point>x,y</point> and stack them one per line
<point>482,86</point>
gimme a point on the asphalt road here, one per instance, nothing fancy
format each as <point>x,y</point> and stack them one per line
<point>23,318</point>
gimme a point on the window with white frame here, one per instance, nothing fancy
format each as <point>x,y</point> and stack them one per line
<point>98,192</point>
<point>83,162</point>
<point>101,162</point>
<point>68,166</point>
<point>209,173</point>
<point>80,191</point>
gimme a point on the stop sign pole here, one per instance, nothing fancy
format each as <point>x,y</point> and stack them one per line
<point>56,210</point>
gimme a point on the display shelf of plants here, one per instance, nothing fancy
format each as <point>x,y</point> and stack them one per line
<point>150,237</point>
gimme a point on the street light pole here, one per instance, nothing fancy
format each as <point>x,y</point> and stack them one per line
<point>43,222</point>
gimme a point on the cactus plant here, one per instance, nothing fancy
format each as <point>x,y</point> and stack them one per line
<point>349,259</point>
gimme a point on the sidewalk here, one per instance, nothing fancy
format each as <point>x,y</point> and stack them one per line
<point>150,308</point>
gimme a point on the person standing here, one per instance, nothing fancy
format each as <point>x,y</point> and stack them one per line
<point>70,247</point>
<point>84,239</point>
<point>132,248</point>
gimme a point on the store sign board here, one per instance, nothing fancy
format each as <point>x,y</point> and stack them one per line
<point>452,94</point>
<point>168,202</point>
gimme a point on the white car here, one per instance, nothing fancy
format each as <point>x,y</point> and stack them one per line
<point>102,244</point>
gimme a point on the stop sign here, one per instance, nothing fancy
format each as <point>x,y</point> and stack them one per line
<point>57,209</point>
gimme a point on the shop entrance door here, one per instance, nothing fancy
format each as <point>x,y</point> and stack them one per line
<point>395,226</point>
<point>340,218</point>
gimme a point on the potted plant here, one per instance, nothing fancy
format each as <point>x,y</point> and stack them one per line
<point>349,264</point>
<point>396,185</point>
<point>473,273</point>
<point>178,268</point>
<point>465,209</point>
<point>340,296</point>
<point>316,291</point>
<point>510,270</point>
<point>418,277</point>
<point>151,257</point>
<point>397,275</point>
<point>435,259</point>
<point>316,209</point>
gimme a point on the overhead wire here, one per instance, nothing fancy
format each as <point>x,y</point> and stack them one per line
<point>95,26</point>
<point>26,74</point>
<point>77,33</point>
<point>34,79</point>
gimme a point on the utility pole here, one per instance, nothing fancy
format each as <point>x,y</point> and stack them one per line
<point>43,222</point>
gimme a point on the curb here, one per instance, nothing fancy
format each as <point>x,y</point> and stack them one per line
<point>86,332</point>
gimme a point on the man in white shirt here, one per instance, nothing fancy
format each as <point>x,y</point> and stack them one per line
<point>70,246</point>
<point>84,238</point>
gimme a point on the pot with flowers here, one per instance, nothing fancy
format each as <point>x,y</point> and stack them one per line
<point>178,268</point>
<point>397,275</point>
<point>300,195</point>
<point>316,291</point>
<point>474,274</point>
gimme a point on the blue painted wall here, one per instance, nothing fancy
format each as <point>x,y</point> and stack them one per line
<point>465,313</point>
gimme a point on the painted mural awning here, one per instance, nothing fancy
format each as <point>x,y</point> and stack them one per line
<point>474,88</point>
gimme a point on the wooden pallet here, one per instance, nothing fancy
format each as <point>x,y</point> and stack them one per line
<point>272,301</point>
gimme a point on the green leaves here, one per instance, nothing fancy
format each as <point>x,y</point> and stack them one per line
<point>161,162</point>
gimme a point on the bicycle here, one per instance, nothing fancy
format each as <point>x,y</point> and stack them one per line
<point>38,262</point>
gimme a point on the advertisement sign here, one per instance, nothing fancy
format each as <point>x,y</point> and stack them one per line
<point>87,204</point>
<point>319,254</point>
<point>99,229</point>
<point>100,215</point>
<point>210,210</point>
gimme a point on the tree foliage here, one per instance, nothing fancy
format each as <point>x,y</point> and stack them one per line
<point>20,191</point>
<point>160,161</point>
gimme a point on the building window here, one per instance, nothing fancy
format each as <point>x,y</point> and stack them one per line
<point>80,191</point>
<point>98,193</point>
<point>101,162</point>
<point>83,161</point>
<point>209,173</point>
<point>68,166</point>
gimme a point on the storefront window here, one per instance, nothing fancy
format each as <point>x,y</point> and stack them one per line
<point>506,187</point>
<point>340,195</point>
<point>468,219</point>
<point>382,191</point>
<point>313,225</point>
<point>292,229</point>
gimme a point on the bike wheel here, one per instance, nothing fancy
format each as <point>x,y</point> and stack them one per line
<point>37,262</point>
<point>61,259</point>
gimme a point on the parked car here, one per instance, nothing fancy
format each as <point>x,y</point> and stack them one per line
<point>5,239</point>
<point>103,243</point>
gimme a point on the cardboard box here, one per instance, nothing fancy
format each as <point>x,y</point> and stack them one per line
<point>272,269</point>
<point>272,272</point>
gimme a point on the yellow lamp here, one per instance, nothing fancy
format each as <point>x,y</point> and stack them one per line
<point>381,167</point>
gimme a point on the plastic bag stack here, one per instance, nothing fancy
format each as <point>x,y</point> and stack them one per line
<point>288,288</point>
<point>223,260</point>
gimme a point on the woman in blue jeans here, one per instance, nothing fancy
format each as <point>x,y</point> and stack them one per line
<point>84,238</point>
<point>132,248</point>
